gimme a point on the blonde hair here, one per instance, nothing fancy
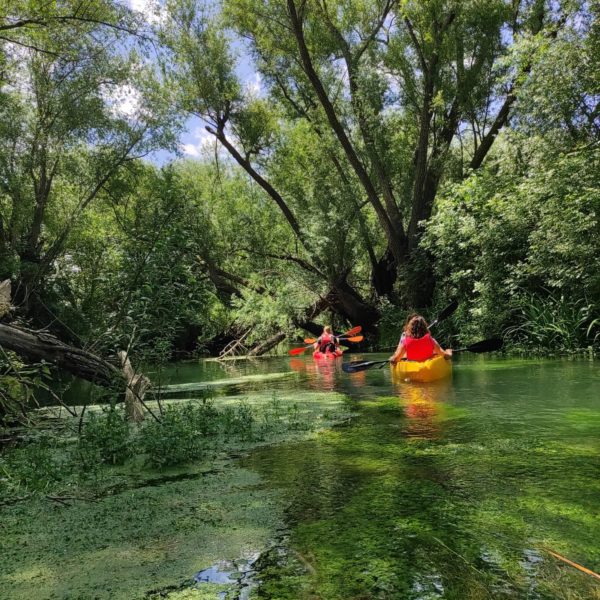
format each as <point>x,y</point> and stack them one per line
<point>327,329</point>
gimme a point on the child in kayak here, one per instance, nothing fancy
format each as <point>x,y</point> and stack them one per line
<point>327,342</point>
<point>416,342</point>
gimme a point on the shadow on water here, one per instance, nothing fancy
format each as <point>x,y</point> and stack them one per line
<point>447,490</point>
<point>450,490</point>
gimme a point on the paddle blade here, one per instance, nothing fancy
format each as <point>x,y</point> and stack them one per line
<point>296,351</point>
<point>490,345</point>
<point>353,331</point>
<point>310,340</point>
<point>355,367</point>
<point>449,310</point>
<point>355,339</point>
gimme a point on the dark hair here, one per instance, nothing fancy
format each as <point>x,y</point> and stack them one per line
<point>416,327</point>
<point>409,318</point>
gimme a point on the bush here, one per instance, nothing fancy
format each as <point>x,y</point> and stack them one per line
<point>554,322</point>
<point>517,244</point>
<point>32,468</point>
<point>238,421</point>
<point>180,437</point>
<point>105,438</point>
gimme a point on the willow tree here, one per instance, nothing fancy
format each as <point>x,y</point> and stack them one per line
<point>397,85</point>
<point>77,105</point>
<point>255,133</point>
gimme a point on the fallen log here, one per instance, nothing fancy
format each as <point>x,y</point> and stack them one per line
<point>36,346</point>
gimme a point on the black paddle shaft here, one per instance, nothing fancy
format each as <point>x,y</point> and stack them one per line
<point>490,345</point>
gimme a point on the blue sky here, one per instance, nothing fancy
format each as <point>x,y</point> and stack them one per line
<point>195,141</point>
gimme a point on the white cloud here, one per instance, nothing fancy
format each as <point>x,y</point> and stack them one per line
<point>190,150</point>
<point>124,101</point>
<point>201,143</point>
<point>152,10</point>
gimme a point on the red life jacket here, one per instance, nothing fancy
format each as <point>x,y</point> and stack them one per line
<point>325,340</point>
<point>419,348</point>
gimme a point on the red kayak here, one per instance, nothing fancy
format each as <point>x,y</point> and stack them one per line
<point>318,355</point>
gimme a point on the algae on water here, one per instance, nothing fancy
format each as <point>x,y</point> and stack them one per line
<point>145,534</point>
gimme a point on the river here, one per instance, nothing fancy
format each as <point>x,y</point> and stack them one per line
<point>463,489</point>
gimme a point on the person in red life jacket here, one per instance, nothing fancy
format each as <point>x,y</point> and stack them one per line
<point>417,344</point>
<point>327,342</point>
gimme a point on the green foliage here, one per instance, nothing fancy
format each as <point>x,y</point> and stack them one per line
<point>238,421</point>
<point>518,245</point>
<point>178,437</point>
<point>105,438</point>
<point>554,322</point>
<point>33,468</point>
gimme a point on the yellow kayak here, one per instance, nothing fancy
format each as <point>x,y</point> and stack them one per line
<point>429,370</point>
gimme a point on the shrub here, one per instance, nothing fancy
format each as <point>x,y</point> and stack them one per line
<point>178,438</point>
<point>105,438</point>
<point>32,468</point>
<point>517,244</point>
<point>554,322</point>
<point>238,421</point>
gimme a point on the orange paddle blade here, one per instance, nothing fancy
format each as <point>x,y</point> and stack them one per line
<point>354,330</point>
<point>310,340</point>
<point>356,338</point>
<point>295,351</point>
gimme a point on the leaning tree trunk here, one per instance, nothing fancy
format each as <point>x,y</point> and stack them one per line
<point>37,346</point>
<point>267,345</point>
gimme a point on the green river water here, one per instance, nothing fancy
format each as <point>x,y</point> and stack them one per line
<point>458,490</point>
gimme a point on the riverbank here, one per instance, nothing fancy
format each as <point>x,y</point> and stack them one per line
<point>135,531</point>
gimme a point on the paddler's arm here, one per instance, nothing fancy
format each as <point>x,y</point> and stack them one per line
<point>438,350</point>
<point>399,354</point>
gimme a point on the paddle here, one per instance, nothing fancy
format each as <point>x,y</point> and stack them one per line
<point>484,346</point>
<point>350,332</point>
<point>296,351</point>
<point>449,310</point>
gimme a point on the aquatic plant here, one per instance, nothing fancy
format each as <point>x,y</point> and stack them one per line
<point>105,438</point>
<point>32,468</point>
<point>177,438</point>
<point>555,322</point>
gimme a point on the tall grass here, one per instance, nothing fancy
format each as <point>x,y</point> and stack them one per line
<point>555,323</point>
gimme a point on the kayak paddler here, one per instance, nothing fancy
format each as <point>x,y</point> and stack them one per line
<point>326,342</point>
<point>416,342</point>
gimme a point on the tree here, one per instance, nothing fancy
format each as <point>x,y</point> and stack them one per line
<point>73,116</point>
<point>395,84</point>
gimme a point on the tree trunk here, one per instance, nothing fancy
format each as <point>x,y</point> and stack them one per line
<point>267,345</point>
<point>137,385</point>
<point>37,346</point>
<point>384,274</point>
<point>350,305</point>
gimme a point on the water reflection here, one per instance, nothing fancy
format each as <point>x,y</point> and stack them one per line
<point>321,374</point>
<point>424,406</point>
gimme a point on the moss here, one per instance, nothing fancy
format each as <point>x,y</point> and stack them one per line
<point>147,532</point>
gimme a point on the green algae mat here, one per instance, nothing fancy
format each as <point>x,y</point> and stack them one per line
<point>460,491</point>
